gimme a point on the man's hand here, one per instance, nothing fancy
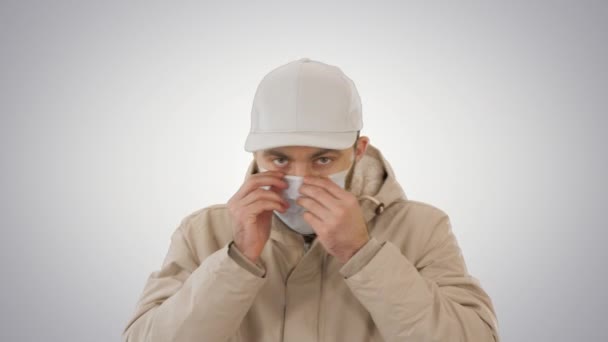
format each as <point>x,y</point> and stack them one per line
<point>251,210</point>
<point>335,215</point>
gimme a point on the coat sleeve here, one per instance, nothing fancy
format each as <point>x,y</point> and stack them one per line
<point>436,301</point>
<point>184,301</point>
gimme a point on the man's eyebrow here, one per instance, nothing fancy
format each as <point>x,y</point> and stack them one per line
<point>278,153</point>
<point>323,151</point>
<point>274,153</point>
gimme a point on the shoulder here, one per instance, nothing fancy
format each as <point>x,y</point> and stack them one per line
<point>415,210</point>
<point>206,229</point>
<point>203,215</point>
<point>413,226</point>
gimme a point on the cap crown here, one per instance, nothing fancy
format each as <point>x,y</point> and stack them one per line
<point>306,96</point>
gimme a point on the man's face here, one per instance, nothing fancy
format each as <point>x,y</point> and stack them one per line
<point>305,160</point>
<point>311,161</point>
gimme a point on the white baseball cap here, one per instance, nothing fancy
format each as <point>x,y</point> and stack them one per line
<point>305,103</point>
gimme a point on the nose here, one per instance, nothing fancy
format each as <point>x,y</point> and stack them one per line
<point>302,170</point>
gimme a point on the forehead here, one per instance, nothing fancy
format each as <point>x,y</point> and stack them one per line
<point>299,151</point>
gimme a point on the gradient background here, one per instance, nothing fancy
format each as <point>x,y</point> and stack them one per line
<point>118,119</point>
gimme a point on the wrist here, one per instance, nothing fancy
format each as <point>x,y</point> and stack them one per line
<point>249,255</point>
<point>355,249</point>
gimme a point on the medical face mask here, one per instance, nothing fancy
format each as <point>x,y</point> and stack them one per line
<point>293,216</point>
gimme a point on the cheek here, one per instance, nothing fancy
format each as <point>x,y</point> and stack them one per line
<point>265,164</point>
<point>344,164</point>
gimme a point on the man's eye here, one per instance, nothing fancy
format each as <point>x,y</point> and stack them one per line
<point>279,164</point>
<point>325,158</point>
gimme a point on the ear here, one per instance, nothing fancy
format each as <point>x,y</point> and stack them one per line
<point>362,144</point>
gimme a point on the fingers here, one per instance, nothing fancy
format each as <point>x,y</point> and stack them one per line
<point>261,195</point>
<point>260,206</point>
<point>315,208</point>
<point>257,202</point>
<point>326,183</point>
<point>320,195</point>
<point>271,178</point>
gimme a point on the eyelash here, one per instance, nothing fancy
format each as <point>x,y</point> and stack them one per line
<point>327,163</point>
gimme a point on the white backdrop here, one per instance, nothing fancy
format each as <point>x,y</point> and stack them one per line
<point>117,120</point>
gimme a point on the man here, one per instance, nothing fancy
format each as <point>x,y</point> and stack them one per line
<point>320,243</point>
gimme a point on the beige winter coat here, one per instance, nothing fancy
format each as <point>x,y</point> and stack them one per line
<point>408,283</point>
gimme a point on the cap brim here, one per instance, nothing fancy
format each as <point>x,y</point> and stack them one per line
<point>333,140</point>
